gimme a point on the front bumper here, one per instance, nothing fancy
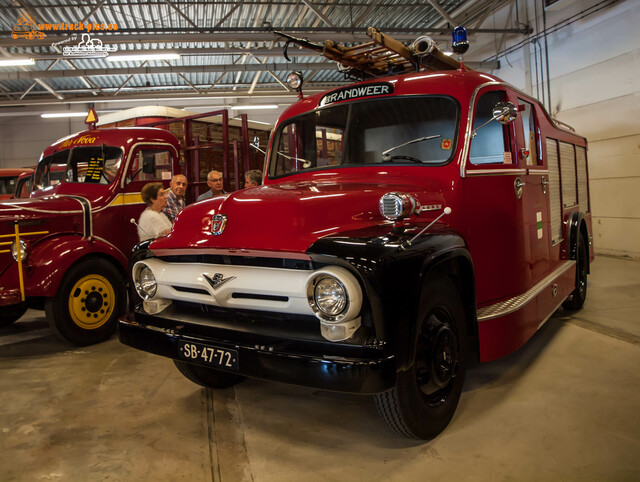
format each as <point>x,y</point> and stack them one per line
<point>272,356</point>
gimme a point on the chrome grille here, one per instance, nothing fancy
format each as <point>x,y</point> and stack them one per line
<point>568,171</point>
<point>554,190</point>
<point>583,188</point>
<point>391,207</point>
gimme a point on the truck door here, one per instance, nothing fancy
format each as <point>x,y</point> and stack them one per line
<point>495,223</point>
<point>535,192</point>
<point>147,164</point>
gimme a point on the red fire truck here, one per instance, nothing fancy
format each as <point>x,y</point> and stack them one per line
<point>406,223</point>
<point>66,248</point>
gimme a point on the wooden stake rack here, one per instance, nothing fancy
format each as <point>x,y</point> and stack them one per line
<point>383,55</point>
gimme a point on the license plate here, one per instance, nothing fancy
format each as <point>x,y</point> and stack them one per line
<point>209,355</point>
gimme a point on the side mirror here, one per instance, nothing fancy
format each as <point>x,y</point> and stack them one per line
<point>505,112</point>
<point>148,165</point>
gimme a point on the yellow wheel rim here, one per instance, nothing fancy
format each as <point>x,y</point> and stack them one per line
<point>91,301</point>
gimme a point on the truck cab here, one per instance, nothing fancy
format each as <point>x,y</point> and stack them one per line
<point>65,249</point>
<point>406,224</point>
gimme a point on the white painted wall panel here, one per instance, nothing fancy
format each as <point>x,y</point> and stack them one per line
<point>615,158</point>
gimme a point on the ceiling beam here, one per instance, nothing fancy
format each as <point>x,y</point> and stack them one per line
<point>318,13</point>
<point>167,69</point>
<point>319,34</point>
<point>181,13</point>
<point>442,12</point>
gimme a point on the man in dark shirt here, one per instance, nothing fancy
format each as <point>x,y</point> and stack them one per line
<point>175,197</point>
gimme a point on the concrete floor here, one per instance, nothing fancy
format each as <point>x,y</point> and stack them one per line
<point>564,407</point>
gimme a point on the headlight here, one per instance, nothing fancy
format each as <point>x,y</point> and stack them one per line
<point>23,250</point>
<point>330,296</point>
<point>145,282</point>
<point>397,205</point>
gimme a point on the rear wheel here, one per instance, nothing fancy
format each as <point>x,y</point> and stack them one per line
<point>426,395</point>
<point>9,314</point>
<point>89,301</point>
<point>579,295</point>
<point>207,377</point>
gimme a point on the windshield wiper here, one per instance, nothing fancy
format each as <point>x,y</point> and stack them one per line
<point>387,157</point>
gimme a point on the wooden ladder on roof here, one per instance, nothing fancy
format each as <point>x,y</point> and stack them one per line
<point>383,55</point>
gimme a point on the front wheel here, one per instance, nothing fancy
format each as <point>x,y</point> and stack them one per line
<point>426,395</point>
<point>579,295</point>
<point>89,300</point>
<point>207,377</point>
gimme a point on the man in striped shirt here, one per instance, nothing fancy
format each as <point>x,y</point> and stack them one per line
<point>175,197</point>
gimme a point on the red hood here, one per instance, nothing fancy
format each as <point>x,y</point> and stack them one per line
<point>281,217</point>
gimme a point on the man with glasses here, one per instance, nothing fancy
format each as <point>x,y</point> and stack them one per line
<point>214,181</point>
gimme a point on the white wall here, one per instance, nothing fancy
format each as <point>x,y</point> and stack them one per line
<point>594,66</point>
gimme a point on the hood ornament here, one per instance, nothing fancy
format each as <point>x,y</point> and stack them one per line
<point>217,280</point>
<point>218,223</point>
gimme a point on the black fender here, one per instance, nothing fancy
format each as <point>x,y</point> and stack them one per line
<point>576,226</point>
<point>392,272</point>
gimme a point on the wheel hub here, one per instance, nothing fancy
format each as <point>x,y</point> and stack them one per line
<point>91,301</point>
<point>437,357</point>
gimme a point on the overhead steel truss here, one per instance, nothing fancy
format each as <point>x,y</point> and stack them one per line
<point>183,28</point>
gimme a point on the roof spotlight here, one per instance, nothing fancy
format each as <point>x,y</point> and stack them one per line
<point>294,80</point>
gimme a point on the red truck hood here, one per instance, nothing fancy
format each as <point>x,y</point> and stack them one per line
<point>284,217</point>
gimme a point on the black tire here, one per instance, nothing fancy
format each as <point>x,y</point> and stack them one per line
<point>577,298</point>
<point>12,313</point>
<point>208,377</point>
<point>425,396</point>
<point>89,301</point>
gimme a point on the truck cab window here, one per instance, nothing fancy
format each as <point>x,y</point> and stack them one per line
<point>418,130</point>
<point>150,165</point>
<point>94,165</point>
<point>491,144</point>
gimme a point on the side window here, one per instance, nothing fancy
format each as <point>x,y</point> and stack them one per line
<point>150,164</point>
<point>529,127</point>
<point>491,145</point>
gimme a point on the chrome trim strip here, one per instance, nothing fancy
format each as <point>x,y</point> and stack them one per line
<point>496,172</point>
<point>514,304</point>
<point>537,172</point>
<point>231,252</point>
<point>86,212</point>
<point>467,134</point>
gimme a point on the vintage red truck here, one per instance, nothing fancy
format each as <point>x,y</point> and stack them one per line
<point>74,231</point>
<point>15,182</point>
<point>406,224</point>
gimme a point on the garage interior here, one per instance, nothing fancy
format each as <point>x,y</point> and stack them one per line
<point>563,407</point>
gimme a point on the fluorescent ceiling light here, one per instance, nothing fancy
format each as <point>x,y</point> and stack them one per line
<point>254,107</point>
<point>7,62</point>
<point>52,115</point>
<point>132,57</point>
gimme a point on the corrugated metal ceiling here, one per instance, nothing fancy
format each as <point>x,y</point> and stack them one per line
<point>223,45</point>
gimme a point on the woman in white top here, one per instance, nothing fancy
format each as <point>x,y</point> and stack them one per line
<point>153,223</point>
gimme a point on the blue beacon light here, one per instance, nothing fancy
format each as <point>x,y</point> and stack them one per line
<point>460,43</point>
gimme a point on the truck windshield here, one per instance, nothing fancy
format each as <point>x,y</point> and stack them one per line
<point>95,165</point>
<point>358,133</point>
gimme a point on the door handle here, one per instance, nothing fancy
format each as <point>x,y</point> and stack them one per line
<point>545,183</point>
<point>517,186</point>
